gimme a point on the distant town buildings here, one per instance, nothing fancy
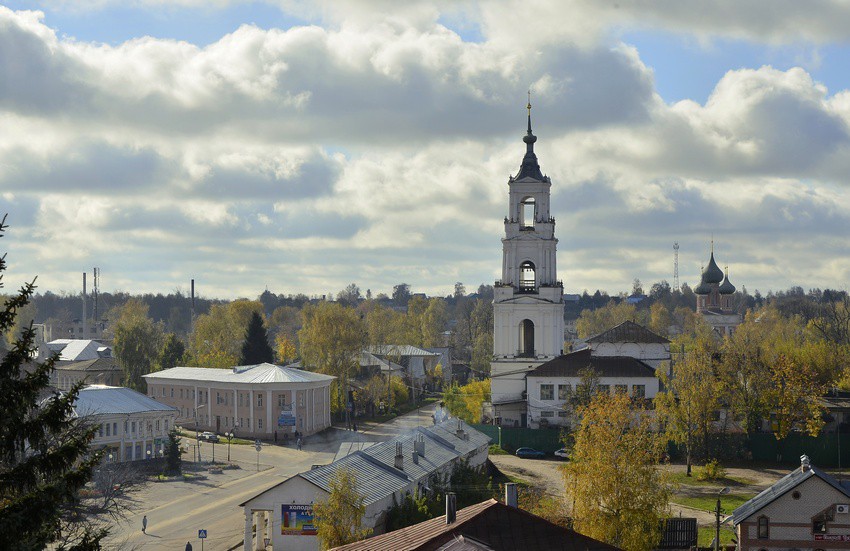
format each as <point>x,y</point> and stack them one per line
<point>131,426</point>
<point>253,401</point>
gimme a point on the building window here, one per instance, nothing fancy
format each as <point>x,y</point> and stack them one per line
<point>166,425</point>
<point>562,413</point>
<point>563,392</point>
<point>301,399</point>
<point>125,427</point>
<point>240,399</point>
<point>107,429</point>
<point>604,389</point>
<point>281,400</point>
<point>181,393</point>
<point>157,425</point>
<point>259,423</point>
<point>163,392</point>
<point>172,392</point>
<point>621,389</point>
<point>819,522</point>
<point>639,391</point>
<point>133,427</point>
<point>115,429</point>
<point>547,392</point>
<point>260,402</point>
<point>763,528</point>
<point>217,398</point>
<point>100,431</point>
<point>547,414</point>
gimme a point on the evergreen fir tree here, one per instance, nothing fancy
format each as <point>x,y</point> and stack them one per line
<point>44,449</point>
<point>256,348</point>
<point>173,453</point>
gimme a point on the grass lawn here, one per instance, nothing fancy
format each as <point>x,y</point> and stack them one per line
<point>706,535</point>
<point>682,478</point>
<point>728,503</point>
<point>496,450</point>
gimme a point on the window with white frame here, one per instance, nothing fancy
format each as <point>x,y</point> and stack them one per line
<point>546,413</point>
<point>563,391</point>
<point>547,392</point>
<point>639,391</point>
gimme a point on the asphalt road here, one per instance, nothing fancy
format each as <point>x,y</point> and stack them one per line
<point>176,510</point>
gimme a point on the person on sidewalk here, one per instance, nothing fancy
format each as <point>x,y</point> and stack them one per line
<point>188,546</point>
<point>144,524</point>
<point>298,443</point>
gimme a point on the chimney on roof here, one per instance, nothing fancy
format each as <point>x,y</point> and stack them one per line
<point>451,508</point>
<point>510,494</point>
<point>459,432</point>
<point>415,455</point>
<point>805,463</point>
<point>420,446</point>
<point>399,457</point>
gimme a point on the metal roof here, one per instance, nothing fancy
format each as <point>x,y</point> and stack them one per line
<point>108,400</point>
<point>100,364</point>
<point>398,350</point>
<point>498,526</point>
<point>569,365</point>
<point>78,349</point>
<point>784,485</point>
<point>628,331</point>
<point>260,373</point>
<point>373,480</point>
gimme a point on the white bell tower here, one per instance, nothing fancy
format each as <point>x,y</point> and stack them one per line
<point>528,303</point>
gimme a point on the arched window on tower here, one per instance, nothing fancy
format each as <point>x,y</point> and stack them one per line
<point>527,277</point>
<point>526,339</point>
<point>527,213</point>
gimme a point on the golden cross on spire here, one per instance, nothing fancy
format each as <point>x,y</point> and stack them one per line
<point>529,102</point>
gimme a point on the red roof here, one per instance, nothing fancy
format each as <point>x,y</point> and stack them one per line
<point>501,527</point>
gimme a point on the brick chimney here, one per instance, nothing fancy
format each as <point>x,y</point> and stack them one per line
<point>805,463</point>
<point>451,508</point>
<point>399,457</point>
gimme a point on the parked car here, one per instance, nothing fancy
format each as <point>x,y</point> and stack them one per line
<point>563,453</point>
<point>530,453</point>
<point>208,436</point>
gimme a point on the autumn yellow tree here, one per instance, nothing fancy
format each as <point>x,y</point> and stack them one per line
<point>217,338</point>
<point>593,322</point>
<point>691,396</point>
<point>614,490</point>
<point>794,397</point>
<point>332,337</point>
<point>339,517</point>
<point>464,402</point>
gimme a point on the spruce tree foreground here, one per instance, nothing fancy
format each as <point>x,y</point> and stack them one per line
<point>256,348</point>
<point>45,458</point>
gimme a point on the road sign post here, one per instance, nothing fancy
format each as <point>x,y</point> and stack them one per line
<point>258,445</point>
<point>202,535</point>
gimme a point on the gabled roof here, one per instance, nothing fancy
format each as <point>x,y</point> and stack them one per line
<point>783,486</point>
<point>109,400</point>
<point>374,480</point>
<point>398,350</point>
<point>78,349</point>
<point>100,364</point>
<point>628,331</point>
<point>570,365</point>
<point>260,373</point>
<point>491,523</point>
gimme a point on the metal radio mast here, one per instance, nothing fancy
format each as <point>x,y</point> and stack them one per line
<point>676,266</point>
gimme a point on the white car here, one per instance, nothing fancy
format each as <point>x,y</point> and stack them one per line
<point>563,453</point>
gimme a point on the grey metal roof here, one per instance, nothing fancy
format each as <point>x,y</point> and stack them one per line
<point>628,331</point>
<point>260,373</point>
<point>78,349</point>
<point>784,485</point>
<point>103,400</point>
<point>570,365</point>
<point>373,479</point>
<point>100,364</point>
<point>398,350</point>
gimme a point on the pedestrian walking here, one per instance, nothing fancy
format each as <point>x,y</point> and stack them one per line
<point>144,524</point>
<point>298,443</point>
<point>355,427</point>
<point>188,546</point>
<point>275,437</point>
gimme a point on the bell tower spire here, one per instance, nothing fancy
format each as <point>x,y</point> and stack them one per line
<point>528,302</point>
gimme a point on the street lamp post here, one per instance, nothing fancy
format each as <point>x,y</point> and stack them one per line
<point>724,491</point>
<point>229,436</point>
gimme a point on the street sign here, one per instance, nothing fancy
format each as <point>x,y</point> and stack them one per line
<point>202,534</point>
<point>258,447</point>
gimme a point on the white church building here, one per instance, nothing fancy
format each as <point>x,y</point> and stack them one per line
<point>528,302</point>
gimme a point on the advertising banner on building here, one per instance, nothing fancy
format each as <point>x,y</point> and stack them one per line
<point>285,420</point>
<point>297,520</point>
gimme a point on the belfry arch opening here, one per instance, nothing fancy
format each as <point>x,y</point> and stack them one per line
<point>526,339</point>
<point>527,277</point>
<point>527,213</point>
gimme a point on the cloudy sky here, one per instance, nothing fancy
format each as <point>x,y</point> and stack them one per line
<point>302,145</point>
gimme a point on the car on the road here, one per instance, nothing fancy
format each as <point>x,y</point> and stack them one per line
<point>563,453</point>
<point>208,436</point>
<point>530,453</point>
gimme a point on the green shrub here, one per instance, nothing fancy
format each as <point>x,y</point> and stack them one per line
<point>712,470</point>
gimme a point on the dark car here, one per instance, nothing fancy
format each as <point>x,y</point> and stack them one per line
<point>208,436</point>
<point>530,453</point>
